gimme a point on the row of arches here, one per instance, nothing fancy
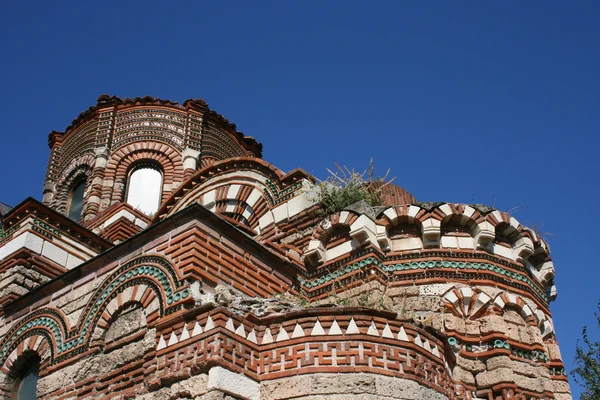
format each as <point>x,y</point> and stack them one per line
<point>149,281</point>
<point>452,226</point>
<point>471,303</point>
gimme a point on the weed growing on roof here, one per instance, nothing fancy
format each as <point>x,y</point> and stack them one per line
<point>345,187</point>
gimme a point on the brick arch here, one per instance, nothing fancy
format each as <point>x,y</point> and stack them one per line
<point>122,160</point>
<point>466,302</point>
<point>48,323</point>
<point>142,295</point>
<point>31,347</point>
<point>37,344</point>
<point>143,280</point>
<point>333,224</point>
<point>509,300</point>
<point>80,168</point>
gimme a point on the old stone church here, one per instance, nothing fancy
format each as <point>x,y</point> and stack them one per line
<point>168,260</point>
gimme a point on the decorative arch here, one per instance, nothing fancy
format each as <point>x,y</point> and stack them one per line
<point>122,160</point>
<point>78,169</point>
<point>504,300</point>
<point>248,190</point>
<point>36,344</point>
<point>466,302</point>
<point>141,295</point>
<point>149,280</point>
<point>458,217</point>
<point>48,323</point>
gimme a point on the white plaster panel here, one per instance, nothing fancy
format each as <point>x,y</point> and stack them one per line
<point>73,261</point>
<point>233,191</point>
<point>231,206</point>
<point>409,243</point>
<point>413,211</point>
<point>209,199</point>
<point>468,211</point>
<point>253,198</point>
<point>466,242</point>
<point>235,384</point>
<point>266,220</point>
<point>449,242</point>
<point>391,214</point>
<point>503,251</point>
<point>122,213</point>
<point>55,253</point>
<point>27,240</point>
<point>446,209</point>
<point>337,251</point>
<point>298,204</point>
<point>280,213</point>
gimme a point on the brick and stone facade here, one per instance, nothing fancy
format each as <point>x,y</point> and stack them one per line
<point>238,287</point>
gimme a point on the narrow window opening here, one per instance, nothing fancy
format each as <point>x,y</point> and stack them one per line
<point>76,201</point>
<point>26,383</point>
<point>144,189</point>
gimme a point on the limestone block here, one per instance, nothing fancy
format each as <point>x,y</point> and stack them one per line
<point>563,396</point>
<point>405,291</point>
<point>553,351</point>
<point>472,327</point>
<point>560,387</point>
<point>285,388</point>
<point>398,388</point>
<point>466,242</point>
<point>463,376</point>
<point>333,383</point>
<point>454,323</point>
<point>475,366</point>
<point>492,323</point>
<point>423,303</point>
<point>435,290</point>
<point>409,243</point>
<point>235,384</point>
<point>487,379</point>
<point>299,204</point>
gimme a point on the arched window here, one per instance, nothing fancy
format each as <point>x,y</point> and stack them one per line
<point>144,188</point>
<point>25,386</point>
<point>76,200</point>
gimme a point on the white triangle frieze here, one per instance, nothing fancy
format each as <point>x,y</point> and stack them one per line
<point>197,329</point>
<point>229,325</point>
<point>161,343</point>
<point>209,324</point>
<point>335,328</point>
<point>298,331</point>
<point>418,341</point>
<point>402,335</point>
<point>352,328</point>
<point>172,339</point>
<point>267,337</point>
<point>252,337</point>
<point>373,330</point>
<point>240,331</point>
<point>282,335</point>
<point>317,330</point>
<point>387,332</point>
<point>184,334</point>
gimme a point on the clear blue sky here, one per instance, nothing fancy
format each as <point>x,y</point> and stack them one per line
<point>487,102</point>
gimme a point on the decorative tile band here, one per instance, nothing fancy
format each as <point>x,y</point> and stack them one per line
<point>421,266</point>
<point>533,355</point>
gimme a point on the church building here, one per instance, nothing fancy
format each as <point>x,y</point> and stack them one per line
<point>168,260</point>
